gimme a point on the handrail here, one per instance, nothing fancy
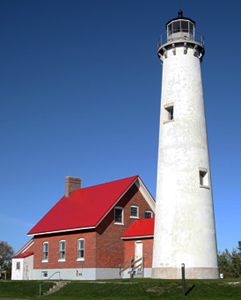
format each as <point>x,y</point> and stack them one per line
<point>40,285</point>
<point>169,37</point>
<point>133,265</point>
<point>122,265</point>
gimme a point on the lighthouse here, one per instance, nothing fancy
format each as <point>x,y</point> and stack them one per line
<point>184,223</point>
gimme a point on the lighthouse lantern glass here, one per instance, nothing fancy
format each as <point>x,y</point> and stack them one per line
<point>180,26</point>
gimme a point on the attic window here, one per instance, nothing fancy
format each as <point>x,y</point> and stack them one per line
<point>134,213</point>
<point>148,214</point>
<point>169,112</point>
<point>119,215</point>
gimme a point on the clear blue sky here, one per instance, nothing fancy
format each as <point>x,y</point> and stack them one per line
<point>80,95</point>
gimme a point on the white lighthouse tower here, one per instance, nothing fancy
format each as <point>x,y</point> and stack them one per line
<point>184,225</point>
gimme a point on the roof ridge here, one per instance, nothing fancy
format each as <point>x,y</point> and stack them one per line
<point>108,182</point>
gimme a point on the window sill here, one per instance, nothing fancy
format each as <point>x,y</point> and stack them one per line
<point>168,121</point>
<point>80,259</point>
<point>44,261</point>
<point>133,217</point>
<point>119,223</point>
<point>61,260</point>
<point>205,186</point>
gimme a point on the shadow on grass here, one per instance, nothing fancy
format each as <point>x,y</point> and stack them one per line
<point>191,288</point>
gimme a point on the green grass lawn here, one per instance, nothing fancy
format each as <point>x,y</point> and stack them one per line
<point>136,289</point>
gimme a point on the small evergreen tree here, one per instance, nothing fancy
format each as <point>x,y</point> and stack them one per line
<point>230,263</point>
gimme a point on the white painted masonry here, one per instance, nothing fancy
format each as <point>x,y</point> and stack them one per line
<point>184,224</point>
<point>22,268</point>
<point>76,274</point>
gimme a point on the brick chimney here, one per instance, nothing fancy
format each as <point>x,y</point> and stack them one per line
<point>71,184</point>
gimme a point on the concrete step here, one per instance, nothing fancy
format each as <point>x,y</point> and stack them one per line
<point>58,285</point>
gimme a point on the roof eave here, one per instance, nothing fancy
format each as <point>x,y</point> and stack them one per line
<point>61,231</point>
<point>137,237</point>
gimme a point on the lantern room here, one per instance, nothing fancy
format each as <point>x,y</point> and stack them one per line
<point>180,27</point>
<point>180,30</point>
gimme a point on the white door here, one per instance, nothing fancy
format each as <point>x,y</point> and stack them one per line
<point>138,254</point>
<point>138,249</point>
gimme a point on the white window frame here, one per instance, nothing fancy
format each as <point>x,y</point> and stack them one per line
<point>137,212</point>
<point>45,254</point>
<point>61,251</point>
<point>148,211</point>
<point>79,249</point>
<point>122,215</point>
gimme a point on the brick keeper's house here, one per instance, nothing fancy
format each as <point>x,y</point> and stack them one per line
<point>90,232</point>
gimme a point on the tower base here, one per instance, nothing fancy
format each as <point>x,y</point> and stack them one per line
<point>190,273</point>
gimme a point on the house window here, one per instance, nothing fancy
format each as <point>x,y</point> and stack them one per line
<point>148,214</point>
<point>134,213</point>
<point>203,178</point>
<point>119,215</point>
<point>169,112</point>
<point>45,251</point>
<point>81,249</point>
<point>62,252</point>
<point>44,274</point>
<point>18,265</point>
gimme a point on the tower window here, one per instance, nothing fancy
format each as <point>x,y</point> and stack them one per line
<point>203,178</point>
<point>169,112</point>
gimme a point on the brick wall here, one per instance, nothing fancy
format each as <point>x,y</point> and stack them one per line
<point>71,251</point>
<point>129,250</point>
<point>110,246</point>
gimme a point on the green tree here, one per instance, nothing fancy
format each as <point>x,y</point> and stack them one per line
<point>239,247</point>
<point>6,253</point>
<point>230,263</point>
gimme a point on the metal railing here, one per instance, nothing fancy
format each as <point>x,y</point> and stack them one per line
<point>40,285</point>
<point>169,37</point>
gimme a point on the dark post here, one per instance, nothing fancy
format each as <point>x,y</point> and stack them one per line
<point>183,280</point>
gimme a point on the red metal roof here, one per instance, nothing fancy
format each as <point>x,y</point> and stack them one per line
<point>140,228</point>
<point>84,208</point>
<point>23,255</point>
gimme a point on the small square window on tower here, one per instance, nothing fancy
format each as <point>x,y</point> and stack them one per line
<point>169,112</point>
<point>203,178</point>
